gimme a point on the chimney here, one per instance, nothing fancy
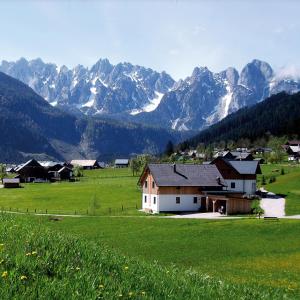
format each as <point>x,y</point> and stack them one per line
<point>174,168</point>
<point>218,180</point>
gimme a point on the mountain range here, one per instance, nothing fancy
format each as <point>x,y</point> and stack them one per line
<point>137,94</point>
<point>31,127</point>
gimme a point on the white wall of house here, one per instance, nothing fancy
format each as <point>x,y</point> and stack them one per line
<point>150,202</point>
<point>168,203</point>
<point>244,186</point>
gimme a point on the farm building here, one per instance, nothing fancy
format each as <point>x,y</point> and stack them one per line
<point>64,173</point>
<point>240,176</point>
<point>292,148</point>
<point>234,155</point>
<point>51,166</point>
<point>31,171</point>
<point>11,182</point>
<point>86,164</point>
<point>122,163</point>
<point>188,187</point>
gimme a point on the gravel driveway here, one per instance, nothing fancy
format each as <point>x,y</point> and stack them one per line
<point>273,207</point>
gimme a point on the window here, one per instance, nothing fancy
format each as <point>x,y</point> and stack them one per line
<point>154,200</point>
<point>232,185</point>
<point>145,199</point>
<point>153,184</point>
<point>177,200</point>
<point>195,200</point>
<point>146,184</point>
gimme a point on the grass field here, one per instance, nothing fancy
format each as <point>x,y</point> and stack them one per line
<point>287,184</point>
<point>216,260</point>
<point>99,192</point>
<point>167,258</point>
<point>244,251</point>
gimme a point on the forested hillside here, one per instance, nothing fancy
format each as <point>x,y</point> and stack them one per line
<point>278,115</point>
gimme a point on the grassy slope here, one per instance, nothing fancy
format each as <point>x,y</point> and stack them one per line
<point>35,263</point>
<point>238,251</point>
<point>288,184</point>
<point>111,188</point>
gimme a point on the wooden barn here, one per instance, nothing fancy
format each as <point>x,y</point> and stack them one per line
<point>31,171</point>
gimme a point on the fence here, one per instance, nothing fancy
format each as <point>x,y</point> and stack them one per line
<point>123,210</point>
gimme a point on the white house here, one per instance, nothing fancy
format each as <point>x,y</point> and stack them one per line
<point>189,187</point>
<point>178,187</point>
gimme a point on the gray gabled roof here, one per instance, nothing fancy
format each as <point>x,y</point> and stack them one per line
<point>121,161</point>
<point>186,175</point>
<point>245,167</point>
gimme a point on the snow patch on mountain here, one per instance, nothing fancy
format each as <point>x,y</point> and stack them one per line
<point>153,103</point>
<point>226,100</point>
<point>94,90</point>
<point>151,106</point>
<point>90,103</point>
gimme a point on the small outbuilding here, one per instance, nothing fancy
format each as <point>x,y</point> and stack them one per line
<point>11,182</point>
<point>122,163</point>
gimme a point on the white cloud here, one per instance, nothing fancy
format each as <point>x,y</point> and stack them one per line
<point>290,71</point>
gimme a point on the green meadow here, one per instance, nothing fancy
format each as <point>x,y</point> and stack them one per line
<point>98,192</point>
<point>259,252</point>
<point>148,258</point>
<point>117,252</point>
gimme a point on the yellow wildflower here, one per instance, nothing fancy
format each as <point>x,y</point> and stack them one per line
<point>77,268</point>
<point>23,277</point>
<point>4,274</point>
<point>143,293</point>
<point>1,261</point>
<point>120,295</point>
<point>130,294</point>
<point>34,253</point>
<point>126,268</point>
<point>1,245</point>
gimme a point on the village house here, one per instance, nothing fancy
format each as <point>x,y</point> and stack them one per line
<point>51,166</point>
<point>189,187</point>
<point>65,173</point>
<point>234,155</point>
<point>122,163</point>
<point>292,148</point>
<point>31,171</point>
<point>86,164</point>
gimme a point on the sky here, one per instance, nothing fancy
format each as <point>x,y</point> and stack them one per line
<point>170,35</point>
